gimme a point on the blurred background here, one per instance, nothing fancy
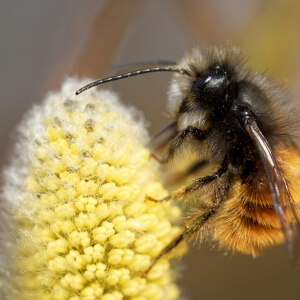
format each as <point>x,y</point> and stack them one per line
<point>43,41</point>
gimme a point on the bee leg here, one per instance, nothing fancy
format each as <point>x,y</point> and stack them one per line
<point>198,183</point>
<point>171,179</point>
<point>194,227</point>
<point>179,139</point>
<point>161,140</point>
<point>166,250</point>
<point>194,185</point>
<point>148,198</point>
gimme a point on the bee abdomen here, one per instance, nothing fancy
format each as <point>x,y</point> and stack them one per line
<point>247,221</point>
<point>245,225</point>
<point>242,234</point>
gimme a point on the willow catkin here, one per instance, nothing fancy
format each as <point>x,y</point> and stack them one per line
<point>75,221</point>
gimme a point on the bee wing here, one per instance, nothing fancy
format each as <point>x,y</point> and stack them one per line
<point>284,205</point>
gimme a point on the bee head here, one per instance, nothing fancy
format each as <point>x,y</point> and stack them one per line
<point>210,85</point>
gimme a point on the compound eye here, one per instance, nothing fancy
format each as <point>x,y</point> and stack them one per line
<point>214,78</point>
<point>202,82</point>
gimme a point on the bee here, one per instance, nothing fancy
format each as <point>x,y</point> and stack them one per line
<point>242,123</point>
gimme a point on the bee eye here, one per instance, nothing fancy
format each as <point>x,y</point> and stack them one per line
<point>214,78</point>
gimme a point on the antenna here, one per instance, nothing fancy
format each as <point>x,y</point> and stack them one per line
<point>130,74</point>
<point>144,64</point>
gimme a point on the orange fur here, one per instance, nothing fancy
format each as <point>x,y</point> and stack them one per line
<point>247,221</point>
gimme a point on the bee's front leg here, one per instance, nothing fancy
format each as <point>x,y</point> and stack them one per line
<point>177,141</point>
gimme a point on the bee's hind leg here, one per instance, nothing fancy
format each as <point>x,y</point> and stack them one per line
<point>195,224</point>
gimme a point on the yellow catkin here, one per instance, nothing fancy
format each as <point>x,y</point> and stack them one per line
<point>81,228</point>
